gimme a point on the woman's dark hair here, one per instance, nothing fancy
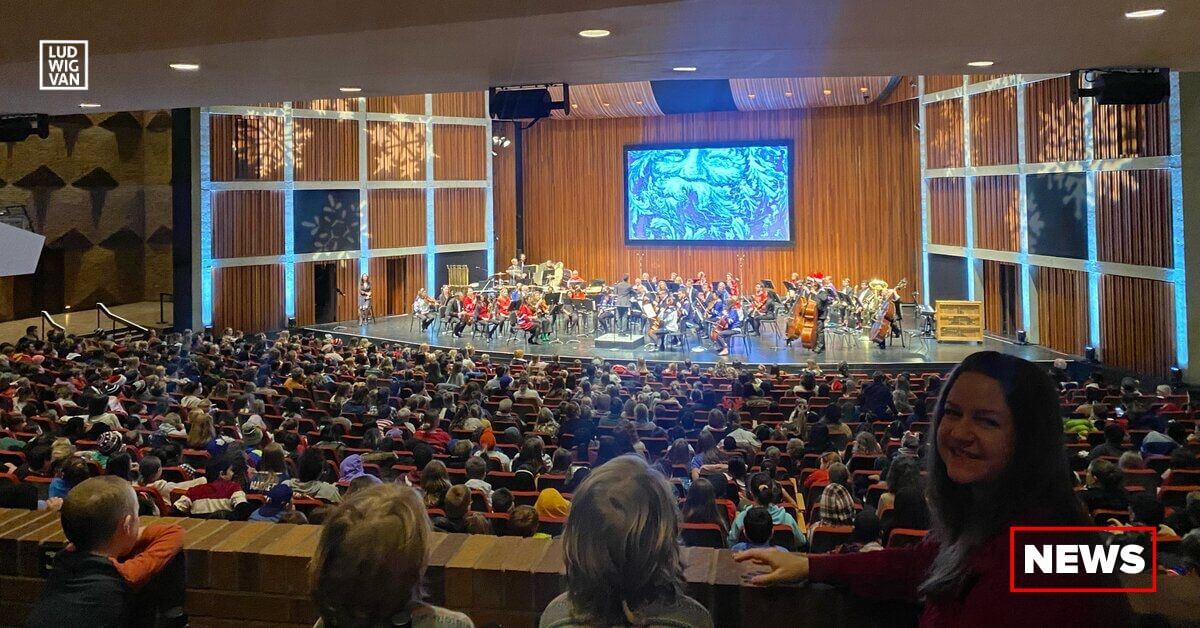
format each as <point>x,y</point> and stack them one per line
<point>310,466</point>
<point>1107,474</point>
<point>701,504</point>
<point>1034,489</point>
<point>119,466</point>
<point>903,472</point>
<point>762,488</point>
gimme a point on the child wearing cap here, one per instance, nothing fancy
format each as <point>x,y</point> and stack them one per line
<point>111,558</point>
<point>279,501</point>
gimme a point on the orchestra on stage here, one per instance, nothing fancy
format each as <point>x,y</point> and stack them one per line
<point>543,303</point>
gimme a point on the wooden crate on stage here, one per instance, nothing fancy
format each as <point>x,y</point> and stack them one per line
<point>959,321</point>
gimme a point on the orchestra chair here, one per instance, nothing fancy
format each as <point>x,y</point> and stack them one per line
<point>682,336</point>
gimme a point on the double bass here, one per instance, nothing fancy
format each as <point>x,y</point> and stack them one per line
<point>803,323</point>
<point>886,313</point>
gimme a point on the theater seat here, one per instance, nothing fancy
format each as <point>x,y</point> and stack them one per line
<point>702,535</point>
<point>822,539</point>
<point>904,537</point>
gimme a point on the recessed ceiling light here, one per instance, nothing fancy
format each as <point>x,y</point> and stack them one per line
<point>593,33</point>
<point>185,67</point>
<point>863,90</point>
<point>350,90</point>
<point>1144,13</point>
<point>604,103</point>
<point>788,94</point>
<point>574,105</point>
<point>750,95</point>
<point>827,91</point>
<point>89,105</point>
<point>638,102</point>
<point>684,68</point>
<point>981,64</point>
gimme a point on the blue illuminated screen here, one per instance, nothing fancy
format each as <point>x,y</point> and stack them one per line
<point>708,193</point>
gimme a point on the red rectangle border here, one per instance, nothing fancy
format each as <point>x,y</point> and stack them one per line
<point>1012,557</point>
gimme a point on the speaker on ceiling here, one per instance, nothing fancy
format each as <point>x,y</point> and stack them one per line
<point>1137,86</point>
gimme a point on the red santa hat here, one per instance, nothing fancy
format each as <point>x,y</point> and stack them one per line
<point>816,276</point>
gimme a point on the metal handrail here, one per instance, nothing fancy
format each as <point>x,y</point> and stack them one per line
<point>46,318</point>
<point>103,309</point>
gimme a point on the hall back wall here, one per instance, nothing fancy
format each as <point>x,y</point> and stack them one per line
<point>855,182</point>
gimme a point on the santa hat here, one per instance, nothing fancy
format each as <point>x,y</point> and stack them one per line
<point>817,276</point>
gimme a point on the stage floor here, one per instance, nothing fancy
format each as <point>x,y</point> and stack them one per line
<point>768,349</point>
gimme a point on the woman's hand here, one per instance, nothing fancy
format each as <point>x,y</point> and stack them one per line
<point>785,566</point>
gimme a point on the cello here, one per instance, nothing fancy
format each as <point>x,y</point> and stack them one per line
<point>882,327</point>
<point>803,322</point>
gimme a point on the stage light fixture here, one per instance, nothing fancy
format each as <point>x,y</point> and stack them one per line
<point>787,94</point>
<point>827,91</point>
<point>981,64</point>
<point>1142,14</point>
<point>593,33</point>
<point>637,102</point>
<point>506,143</point>
<point>751,95</point>
<point>185,67</point>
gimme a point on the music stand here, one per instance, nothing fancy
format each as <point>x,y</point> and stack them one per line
<point>584,308</point>
<point>768,284</point>
<point>648,286</point>
<point>672,287</point>
<point>555,301</point>
<point>530,271</point>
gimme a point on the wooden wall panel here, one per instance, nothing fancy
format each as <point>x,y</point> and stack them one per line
<point>504,203</point>
<point>395,151</point>
<point>1133,217</point>
<point>459,215</point>
<point>945,134</point>
<point>906,89</point>
<point>326,149</point>
<point>941,82</point>
<point>459,152</point>
<point>1001,298</point>
<point>246,148</point>
<point>248,298</point>
<point>347,281</point>
<point>1137,324</point>
<point>327,104</point>
<point>395,281</point>
<point>1123,131</point>
<point>1053,123</point>
<point>1062,309</point>
<point>247,223</point>
<point>413,104</point>
<point>994,128</point>
<point>396,218</point>
<point>947,213</point>
<point>997,213</point>
<point>982,78</point>
<point>459,104</point>
<point>855,184</point>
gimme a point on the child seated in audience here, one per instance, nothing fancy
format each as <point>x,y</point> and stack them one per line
<point>279,502</point>
<point>758,529</point>
<point>476,472</point>
<point>765,492</point>
<point>523,522</point>
<point>370,561</point>
<point>150,476</point>
<point>622,557</point>
<point>478,524</point>
<point>96,581</point>
<point>309,482</point>
<point>865,537</point>
<point>502,500</point>
<point>219,497</point>
<point>456,505</point>
<point>74,471</point>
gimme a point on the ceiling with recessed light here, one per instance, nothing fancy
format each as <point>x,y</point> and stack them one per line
<point>267,51</point>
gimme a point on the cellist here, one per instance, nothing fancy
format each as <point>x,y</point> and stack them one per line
<point>726,326</point>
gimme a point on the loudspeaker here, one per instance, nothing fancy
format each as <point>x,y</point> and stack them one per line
<point>1021,337</point>
<point>1090,354</point>
<point>15,127</point>
<point>291,322</point>
<point>1123,87</point>
<point>521,105</point>
<point>1176,377</point>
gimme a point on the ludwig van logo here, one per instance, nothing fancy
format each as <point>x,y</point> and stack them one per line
<point>63,64</point>
<point>1083,559</point>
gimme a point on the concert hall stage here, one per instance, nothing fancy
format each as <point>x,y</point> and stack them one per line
<point>858,353</point>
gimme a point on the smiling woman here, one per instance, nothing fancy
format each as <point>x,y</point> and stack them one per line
<point>995,461</point>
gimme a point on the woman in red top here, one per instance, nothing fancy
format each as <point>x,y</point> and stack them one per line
<point>995,460</point>
<point>485,319</point>
<point>527,321</point>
